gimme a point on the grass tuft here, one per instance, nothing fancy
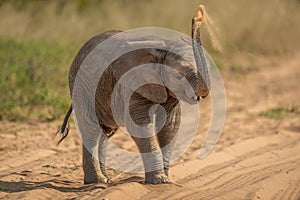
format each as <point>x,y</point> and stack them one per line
<point>33,79</point>
<point>278,113</point>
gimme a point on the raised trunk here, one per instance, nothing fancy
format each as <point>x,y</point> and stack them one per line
<point>200,58</point>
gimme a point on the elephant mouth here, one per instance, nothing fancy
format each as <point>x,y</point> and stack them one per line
<point>194,99</point>
<point>203,96</point>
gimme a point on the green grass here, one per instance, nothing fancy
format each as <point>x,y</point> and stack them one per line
<point>278,113</point>
<point>33,79</point>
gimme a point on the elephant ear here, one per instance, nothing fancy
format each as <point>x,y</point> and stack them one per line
<point>145,69</point>
<point>154,88</point>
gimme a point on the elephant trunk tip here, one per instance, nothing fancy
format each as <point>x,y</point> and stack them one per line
<point>200,14</point>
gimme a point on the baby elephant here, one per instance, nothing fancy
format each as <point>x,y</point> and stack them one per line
<point>155,148</point>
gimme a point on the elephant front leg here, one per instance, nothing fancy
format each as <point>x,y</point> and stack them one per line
<point>140,125</point>
<point>152,160</point>
<point>166,133</point>
<point>91,168</point>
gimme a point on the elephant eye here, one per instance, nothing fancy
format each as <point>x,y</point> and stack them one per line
<point>179,75</point>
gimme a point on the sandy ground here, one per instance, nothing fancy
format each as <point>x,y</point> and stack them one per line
<point>255,158</point>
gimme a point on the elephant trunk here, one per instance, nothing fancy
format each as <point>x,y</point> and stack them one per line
<point>201,62</point>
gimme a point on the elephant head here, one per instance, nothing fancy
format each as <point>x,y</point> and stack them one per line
<point>183,80</point>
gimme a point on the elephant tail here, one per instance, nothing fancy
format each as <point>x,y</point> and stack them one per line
<point>65,127</point>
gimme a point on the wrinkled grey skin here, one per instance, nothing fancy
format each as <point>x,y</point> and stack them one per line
<point>141,101</point>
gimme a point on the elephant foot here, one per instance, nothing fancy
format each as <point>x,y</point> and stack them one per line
<point>152,178</point>
<point>97,179</point>
<point>166,170</point>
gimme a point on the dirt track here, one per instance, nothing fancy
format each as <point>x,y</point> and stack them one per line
<point>255,158</point>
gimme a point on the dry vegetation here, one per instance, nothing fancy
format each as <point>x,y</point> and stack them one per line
<point>268,26</point>
<point>38,40</point>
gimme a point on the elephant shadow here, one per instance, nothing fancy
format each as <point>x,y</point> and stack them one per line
<point>60,185</point>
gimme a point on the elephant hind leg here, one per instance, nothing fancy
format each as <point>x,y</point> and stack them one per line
<point>91,168</point>
<point>108,132</point>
